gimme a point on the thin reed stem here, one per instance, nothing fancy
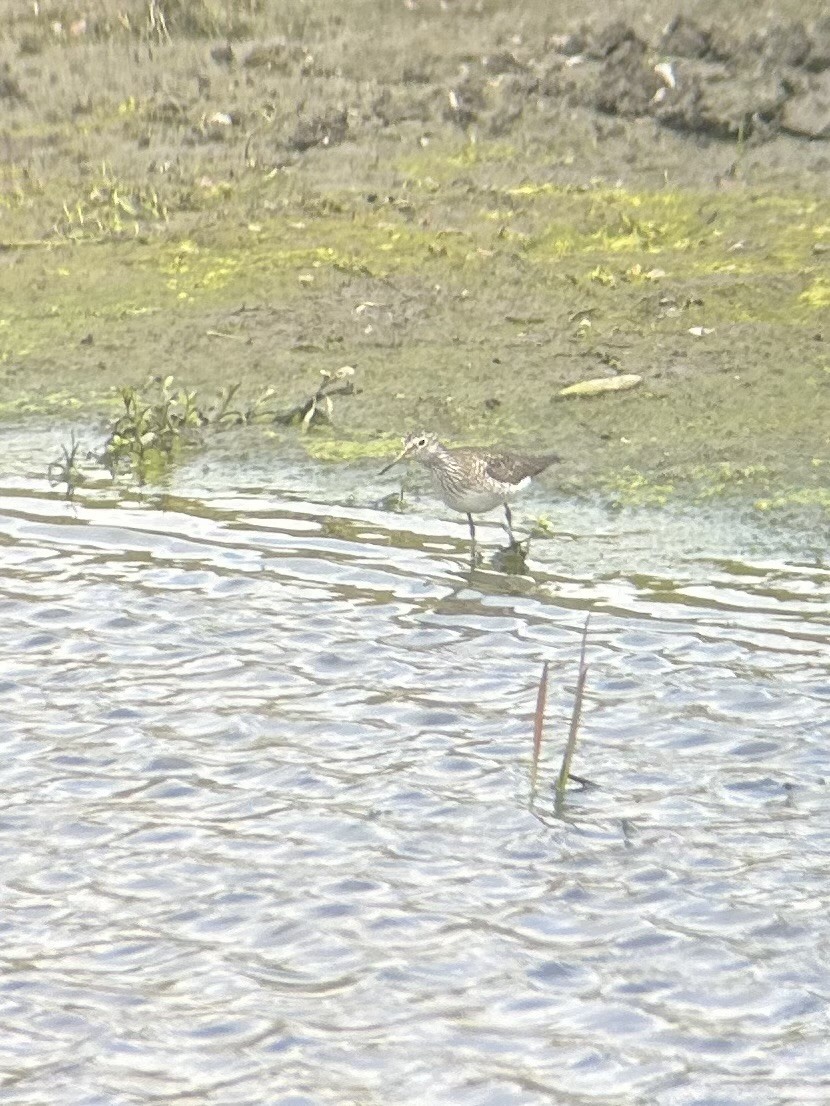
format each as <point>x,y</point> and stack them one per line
<point>538,724</point>
<point>565,770</point>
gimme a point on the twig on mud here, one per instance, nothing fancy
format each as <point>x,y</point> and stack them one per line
<point>223,409</point>
<point>318,407</point>
<point>224,334</point>
<point>248,160</point>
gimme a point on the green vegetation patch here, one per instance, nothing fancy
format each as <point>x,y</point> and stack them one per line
<point>345,449</point>
<point>700,484</point>
<point>615,235</point>
<point>817,295</point>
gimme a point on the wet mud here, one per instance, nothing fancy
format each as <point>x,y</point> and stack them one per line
<point>475,209</point>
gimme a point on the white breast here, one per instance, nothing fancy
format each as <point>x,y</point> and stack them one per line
<point>480,500</point>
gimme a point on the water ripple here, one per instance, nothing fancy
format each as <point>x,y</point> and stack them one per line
<point>265,832</point>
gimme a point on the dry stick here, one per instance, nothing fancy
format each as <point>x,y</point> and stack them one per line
<point>224,334</point>
<point>565,770</point>
<point>538,723</point>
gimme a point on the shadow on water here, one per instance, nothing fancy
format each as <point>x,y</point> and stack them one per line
<point>266,827</point>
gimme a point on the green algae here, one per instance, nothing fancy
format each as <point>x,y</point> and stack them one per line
<point>796,497</point>
<point>500,289</point>
<point>608,236</point>
<point>630,488</point>
<point>702,484</point>
<point>817,296</point>
<point>128,277</point>
<point>51,403</point>
<point>687,228</point>
<point>340,450</point>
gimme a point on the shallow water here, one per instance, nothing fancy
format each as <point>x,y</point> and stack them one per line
<point>266,834</point>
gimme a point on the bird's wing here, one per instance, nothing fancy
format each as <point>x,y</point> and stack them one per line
<point>507,468</point>
<point>512,468</point>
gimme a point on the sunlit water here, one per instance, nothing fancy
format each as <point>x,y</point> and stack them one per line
<point>266,834</point>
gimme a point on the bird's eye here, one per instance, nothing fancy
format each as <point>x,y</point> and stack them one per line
<point>422,441</point>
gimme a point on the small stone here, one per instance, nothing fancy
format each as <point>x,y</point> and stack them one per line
<point>222,54</point>
<point>602,384</point>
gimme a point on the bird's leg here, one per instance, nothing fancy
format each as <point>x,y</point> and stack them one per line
<point>472,530</point>
<point>473,548</point>
<point>509,517</point>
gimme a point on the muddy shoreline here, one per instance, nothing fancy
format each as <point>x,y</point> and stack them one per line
<point>473,210</point>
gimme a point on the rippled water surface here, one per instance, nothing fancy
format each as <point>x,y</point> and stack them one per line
<point>265,832</point>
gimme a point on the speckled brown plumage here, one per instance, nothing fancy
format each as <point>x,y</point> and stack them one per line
<point>471,479</point>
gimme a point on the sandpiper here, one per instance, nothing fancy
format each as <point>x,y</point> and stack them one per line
<point>474,479</point>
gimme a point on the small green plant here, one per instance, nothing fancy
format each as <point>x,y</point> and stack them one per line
<point>155,423</point>
<point>542,527</point>
<point>111,208</point>
<point>160,419</point>
<point>65,470</point>
<point>602,275</point>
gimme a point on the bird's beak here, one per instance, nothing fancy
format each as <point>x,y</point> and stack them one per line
<point>403,453</point>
